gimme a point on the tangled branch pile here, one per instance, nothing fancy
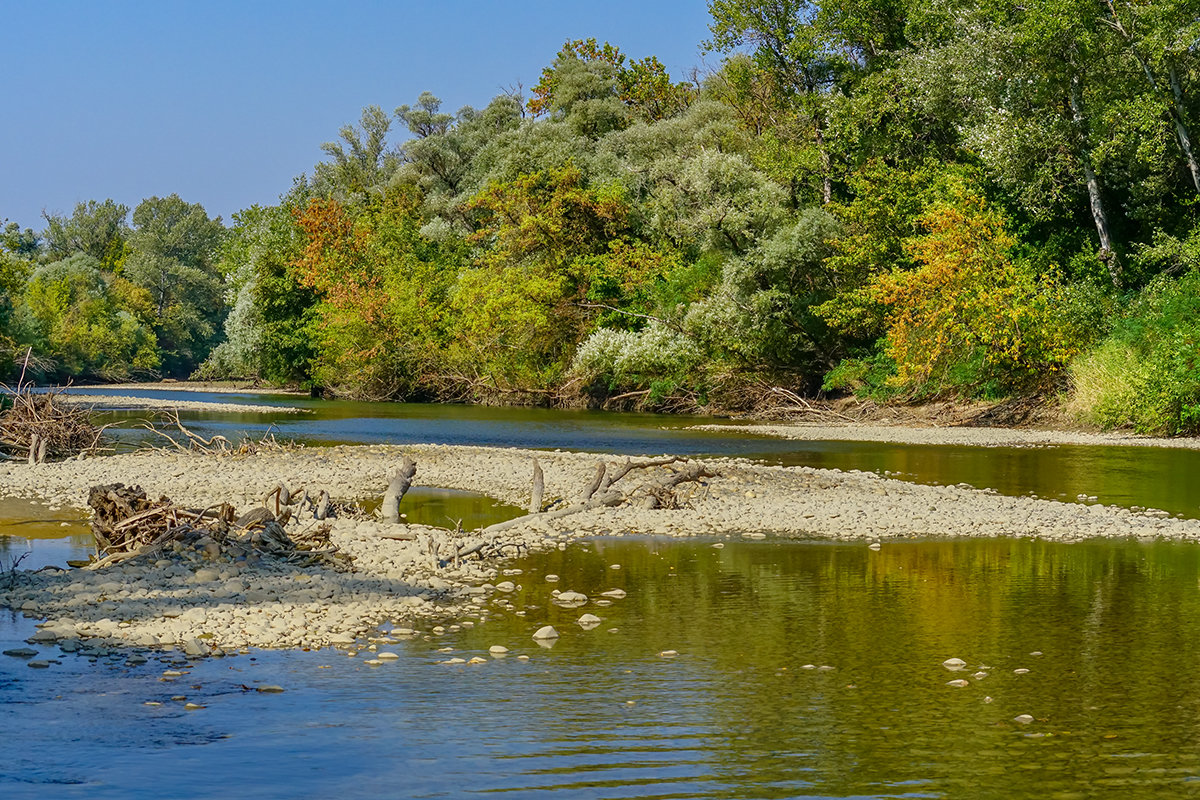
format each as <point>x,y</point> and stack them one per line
<point>127,524</point>
<point>41,426</point>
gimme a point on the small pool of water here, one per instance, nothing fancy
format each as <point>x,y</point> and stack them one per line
<point>1104,630</point>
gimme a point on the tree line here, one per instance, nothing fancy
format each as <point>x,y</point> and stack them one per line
<point>894,198</point>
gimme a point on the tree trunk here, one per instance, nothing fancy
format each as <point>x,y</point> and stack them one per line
<point>826,169</point>
<point>1185,140</point>
<point>398,483</point>
<point>1095,198</point>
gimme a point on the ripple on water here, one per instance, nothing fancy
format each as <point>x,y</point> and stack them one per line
<point>1114,699</point>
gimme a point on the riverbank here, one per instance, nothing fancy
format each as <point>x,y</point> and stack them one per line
<point>123,402</point>
<point>214,606</point>
<point>961,436</point>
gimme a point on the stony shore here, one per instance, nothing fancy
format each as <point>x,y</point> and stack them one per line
<point>962,436</point>
<point>108,401</point>
<point>205,606</point>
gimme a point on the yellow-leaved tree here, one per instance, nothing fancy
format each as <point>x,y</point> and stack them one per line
<point>969,317</point>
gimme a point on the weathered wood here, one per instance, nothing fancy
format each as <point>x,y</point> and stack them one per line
<point>323,505</point>
<point>592,487</point>
<point>539,488</point>
<point>33,441</point>
<point>398,484</point>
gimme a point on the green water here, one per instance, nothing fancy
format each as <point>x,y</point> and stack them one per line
<point>1114,693</point>
<point>1106,630</point>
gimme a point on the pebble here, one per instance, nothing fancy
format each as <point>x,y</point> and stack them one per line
<point>545,632</point>
<point>269,688</point>
<point>960,683</point>
<point>1020,671</point>
<point>954,664</point>
<point>21,652</point>
<point>668,653</point>
<point>498,649</point>
<point>38,664</point>
<point>387,655</point>
<point>1024,719</point>
<point>615,594</point>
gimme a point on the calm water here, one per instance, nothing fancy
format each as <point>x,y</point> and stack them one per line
<point>1127,476</point>
<point>1113,687</point>
<point>1115,693</point>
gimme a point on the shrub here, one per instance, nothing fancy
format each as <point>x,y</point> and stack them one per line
<point>1145,374</point>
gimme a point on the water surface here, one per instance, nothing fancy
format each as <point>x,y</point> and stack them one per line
<point>1103,628</point>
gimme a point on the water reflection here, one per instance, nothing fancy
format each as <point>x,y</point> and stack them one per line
<point>736,714</point>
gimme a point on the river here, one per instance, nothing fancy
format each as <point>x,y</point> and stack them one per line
<point>753,669</point>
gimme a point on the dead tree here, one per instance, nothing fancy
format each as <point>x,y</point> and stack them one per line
<point>398,483</point>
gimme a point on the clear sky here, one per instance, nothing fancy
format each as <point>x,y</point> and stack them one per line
<point>224,102</point>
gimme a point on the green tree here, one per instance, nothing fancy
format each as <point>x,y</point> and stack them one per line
<point>174,246</point>
<point>97,229</point>
<point>361,163</point>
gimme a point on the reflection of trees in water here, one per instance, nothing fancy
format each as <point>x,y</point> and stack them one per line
<point>1111,620</point>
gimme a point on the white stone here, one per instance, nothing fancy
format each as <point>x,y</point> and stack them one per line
<point>498,649</point>
<point>954,664</point>
<point>546,632</point>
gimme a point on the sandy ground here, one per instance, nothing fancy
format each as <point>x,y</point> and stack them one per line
<point>972,436</point>
<point>206,606</point>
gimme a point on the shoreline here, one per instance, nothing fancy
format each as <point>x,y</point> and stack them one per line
<point>213,607</point>
<point>951,436</point>
<point>124,402</point>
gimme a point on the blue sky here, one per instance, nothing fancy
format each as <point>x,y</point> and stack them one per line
<point>225,102</point>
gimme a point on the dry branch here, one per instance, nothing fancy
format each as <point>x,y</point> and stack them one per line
<point>127,524</point>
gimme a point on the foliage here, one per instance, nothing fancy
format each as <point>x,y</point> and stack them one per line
<point>1145,374</point>
<point>174,246</point>
<point>968,318</point>
<point>880,196</point>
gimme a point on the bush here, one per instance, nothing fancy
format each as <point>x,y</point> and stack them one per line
<point>1145,374</point>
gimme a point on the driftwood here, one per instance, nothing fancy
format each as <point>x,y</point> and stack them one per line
<point>658,491</point>
<point>188,441</point>
<point>539,488</point>
<point>40,426</point>
<point>398,484</point>
<point>127,524</point>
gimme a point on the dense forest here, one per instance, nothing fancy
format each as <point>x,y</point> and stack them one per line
<point>898,199</point>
